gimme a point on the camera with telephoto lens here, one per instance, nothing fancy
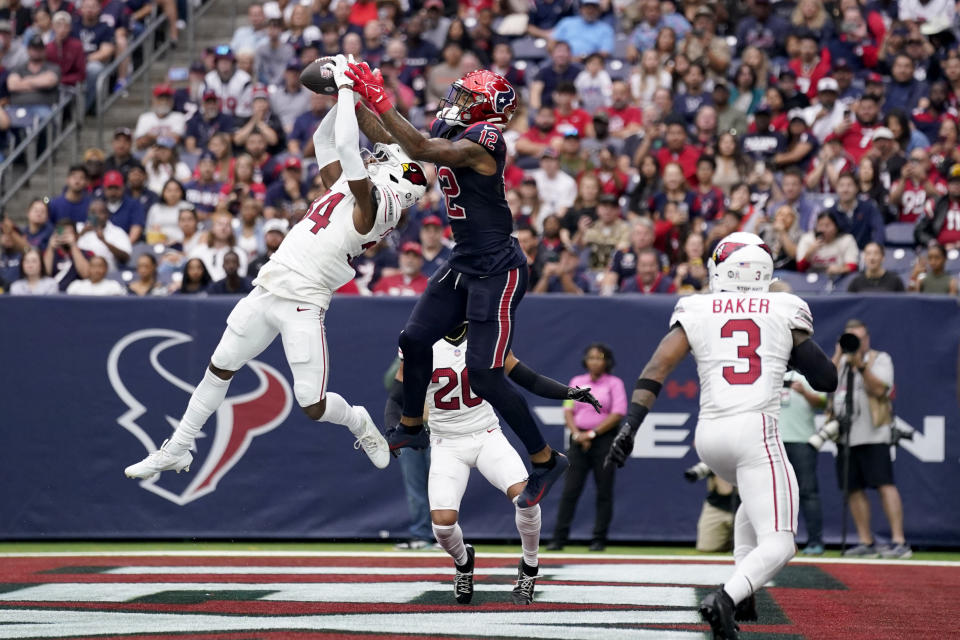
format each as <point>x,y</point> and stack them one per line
<point>899,431</point>
<point>698,471</point>
<point>829,431</point>
<point>849,343</point>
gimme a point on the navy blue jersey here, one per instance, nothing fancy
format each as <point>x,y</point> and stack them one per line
<point>477,207</point>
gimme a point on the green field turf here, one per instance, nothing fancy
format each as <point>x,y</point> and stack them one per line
<point>187,545</point>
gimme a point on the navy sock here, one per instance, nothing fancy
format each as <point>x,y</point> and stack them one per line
<point>549,464</point>
<point>492,386</point>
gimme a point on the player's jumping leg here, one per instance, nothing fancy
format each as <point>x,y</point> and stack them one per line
<point>247,334</point>
<point>305,345</point>
<point>744,542</point>
<point>439,309</point>
<point>491,308</point>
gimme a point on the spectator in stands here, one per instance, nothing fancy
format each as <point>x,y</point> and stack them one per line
<point>827,250</point>
<point>163,218</point>
<point>653,22</point>
<point>647,184</point>
<point>904,91</point>
<point>854,42</point>
<point>564,275</point>
<point>195,278</point>
<point>874,278</point>
<point>560,68</point>
<point>253,34</point>
<point>889,157</point>
<point>530,245</point>
<point>66,51</point>
<point>273,55</point>
<point>567,115</point>
<point>809,67</point>
<point>856,135</point>
<point>232,282</point>
<point>708,199</point>
<point>435,253</point>
<point>220,241</point>
<point>97,283</point>
<point>792,97</point>
<point>929,276</point>
<point>828,113</point>
<point>746,93</point>
<point>248,228</point>
<point>645,79</point>
<point>75,201</point>
<point>585,205</point>
<point>558,191</point>
<point>503,64</point>
<point>728,117</point>
<point>871,187</point>
<point>125,212</point>
<point>146,282</point>
<point>11,253</point>
<point>18,15</point>
<point>906,135</point>
<point>676,149</point>
<point>273,233</point>
<point>690,274</point>
<point>782,236</point>
<point>650,278</point>
<point>188,98</point>
<point>799,145</point>
<point>703,43</point>
<point>208,121</point>
<point>695,95</point>
<point>244,184</point>
<point>36,234</point>
<point>762,143</point>
<point>161,121</point>
<point>12,52</point>
<point>33,279</point>
<point>190,236</point>
<point>797,199</point>
<point>442,75</point>
<point>593,84</point>
<point>99,236</point>
<point>930,113</point>
<point>300,140</point>
<point>919,186</point>
<point>290,99</point>
<point>602,237</point>
<point>263,121</point>
<point>34,85</point>
<point>731,167</point>
<point>857,215</point>
<point>675,190</point>
<point>623,264</point>
<point>410,281</point>
<point>763,29</point>
<point>542,135</point>
<point>163,163</point>
<point>288,192</point>
<point>121,159</point>
<point>232,86</point>
<point>204,191</point>
<point>137,186</point>
<point>62,259</point>
<point>98,43</point>
<point>943,225</point>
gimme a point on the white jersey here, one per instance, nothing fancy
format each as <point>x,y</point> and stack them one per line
<point>313,260</point>
<point>741,343</point>
<point>453,408</point>
<point>236,94</point>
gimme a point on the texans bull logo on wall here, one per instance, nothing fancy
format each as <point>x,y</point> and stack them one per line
<point>226,435</point>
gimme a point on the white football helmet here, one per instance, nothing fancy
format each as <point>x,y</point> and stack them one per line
<point>397,171</point>
<point>741,262</point>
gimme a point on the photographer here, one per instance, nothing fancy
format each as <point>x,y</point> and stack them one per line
<point>798,404</point>
<point>715,525</point>
<point>870,419</point>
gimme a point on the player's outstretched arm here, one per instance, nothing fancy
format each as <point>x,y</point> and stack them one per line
<point>372,127</point>
<point>671,350</point>
<point>347,134</point>
<point>809,359</point>
<point>325,148</point>
<point>543,386</point>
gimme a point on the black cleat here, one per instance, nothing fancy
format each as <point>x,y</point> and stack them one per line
<point>541,479</point>
<point>717,610</point>
<point>746,609</point>
<point>400,437</point>
<point>526,581</point>
<point>463,581</point>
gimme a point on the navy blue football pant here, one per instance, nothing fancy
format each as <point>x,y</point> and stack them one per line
<point>489,303</point>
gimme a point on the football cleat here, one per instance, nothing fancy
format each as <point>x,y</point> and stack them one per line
<point>463,580</point>
<point>160,460</point>
<point>526,581</point>
<point>541,479</point>
<point>717,610</point>
<point>373,443</point>
<point>399,438</point>
<point>746,609</point>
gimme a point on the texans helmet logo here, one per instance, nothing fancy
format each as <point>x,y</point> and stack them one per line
<point>504,98</point>
<point>229,431</point>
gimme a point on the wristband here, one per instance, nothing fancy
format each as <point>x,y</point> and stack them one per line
<point>649,385</point>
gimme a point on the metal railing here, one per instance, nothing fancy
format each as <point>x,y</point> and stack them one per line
<point>56,129</point>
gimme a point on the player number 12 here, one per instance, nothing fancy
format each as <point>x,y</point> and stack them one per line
<point>451,190</point>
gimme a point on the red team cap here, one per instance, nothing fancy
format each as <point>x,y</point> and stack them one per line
<point>162,90</point>
<point>113,179</point>
<point>432,221</point>
<point>411,247</point>
<point>293,163</point>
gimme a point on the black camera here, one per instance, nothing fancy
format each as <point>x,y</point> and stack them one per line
<point>849,343</point>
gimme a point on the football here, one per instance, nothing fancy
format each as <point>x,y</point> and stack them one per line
<point>318,78</point>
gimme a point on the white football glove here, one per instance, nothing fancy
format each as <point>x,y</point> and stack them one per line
<point>338,65</point>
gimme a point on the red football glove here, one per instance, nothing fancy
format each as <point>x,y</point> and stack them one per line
<point>369,85</point>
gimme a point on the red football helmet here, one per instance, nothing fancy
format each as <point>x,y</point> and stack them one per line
<point>479,96</point>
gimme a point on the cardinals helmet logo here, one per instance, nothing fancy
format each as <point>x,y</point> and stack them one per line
<point>230,429</point>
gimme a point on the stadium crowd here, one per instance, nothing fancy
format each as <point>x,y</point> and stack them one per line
<point>648,131</point>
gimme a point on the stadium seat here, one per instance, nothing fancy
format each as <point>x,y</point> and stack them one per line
<point>618,70</point>
<point>899,260</point>
<point>620,46</point>
<point>953,261</point>
<point>529,49</point>
<point>841,284</point>
<point>803,282</point>
<point>900,234</point>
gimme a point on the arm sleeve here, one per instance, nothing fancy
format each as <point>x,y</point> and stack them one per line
<point>538,384</point>
<point>348,138</point>
<point>324,146</point>
<point>810,360</point>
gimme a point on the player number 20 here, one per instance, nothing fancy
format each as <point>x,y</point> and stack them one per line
<point>746,351</point>
<point>440,397</point>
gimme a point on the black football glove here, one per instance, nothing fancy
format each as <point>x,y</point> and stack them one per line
<point>621,448</point>
<point>583,395</point>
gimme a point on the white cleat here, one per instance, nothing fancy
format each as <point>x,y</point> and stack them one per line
<point>372,441</point>
<point>160,460</point>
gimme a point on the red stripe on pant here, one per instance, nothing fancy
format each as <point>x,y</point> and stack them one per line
<point>773,474</point>
<point>786,471</point>
<point>503,317</point>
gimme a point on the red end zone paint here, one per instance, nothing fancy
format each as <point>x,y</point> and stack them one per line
<point>815,601</point>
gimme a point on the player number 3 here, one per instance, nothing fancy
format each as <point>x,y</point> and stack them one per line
<point>747,351</point>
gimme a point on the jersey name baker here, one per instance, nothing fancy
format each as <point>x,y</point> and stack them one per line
<point>741,305</point>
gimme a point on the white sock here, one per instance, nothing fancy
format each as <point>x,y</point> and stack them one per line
<point>206,398</point>
<point>760,565</point>
<point>339,411</point>
<point>528,524</point>
<point>450,537</point>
